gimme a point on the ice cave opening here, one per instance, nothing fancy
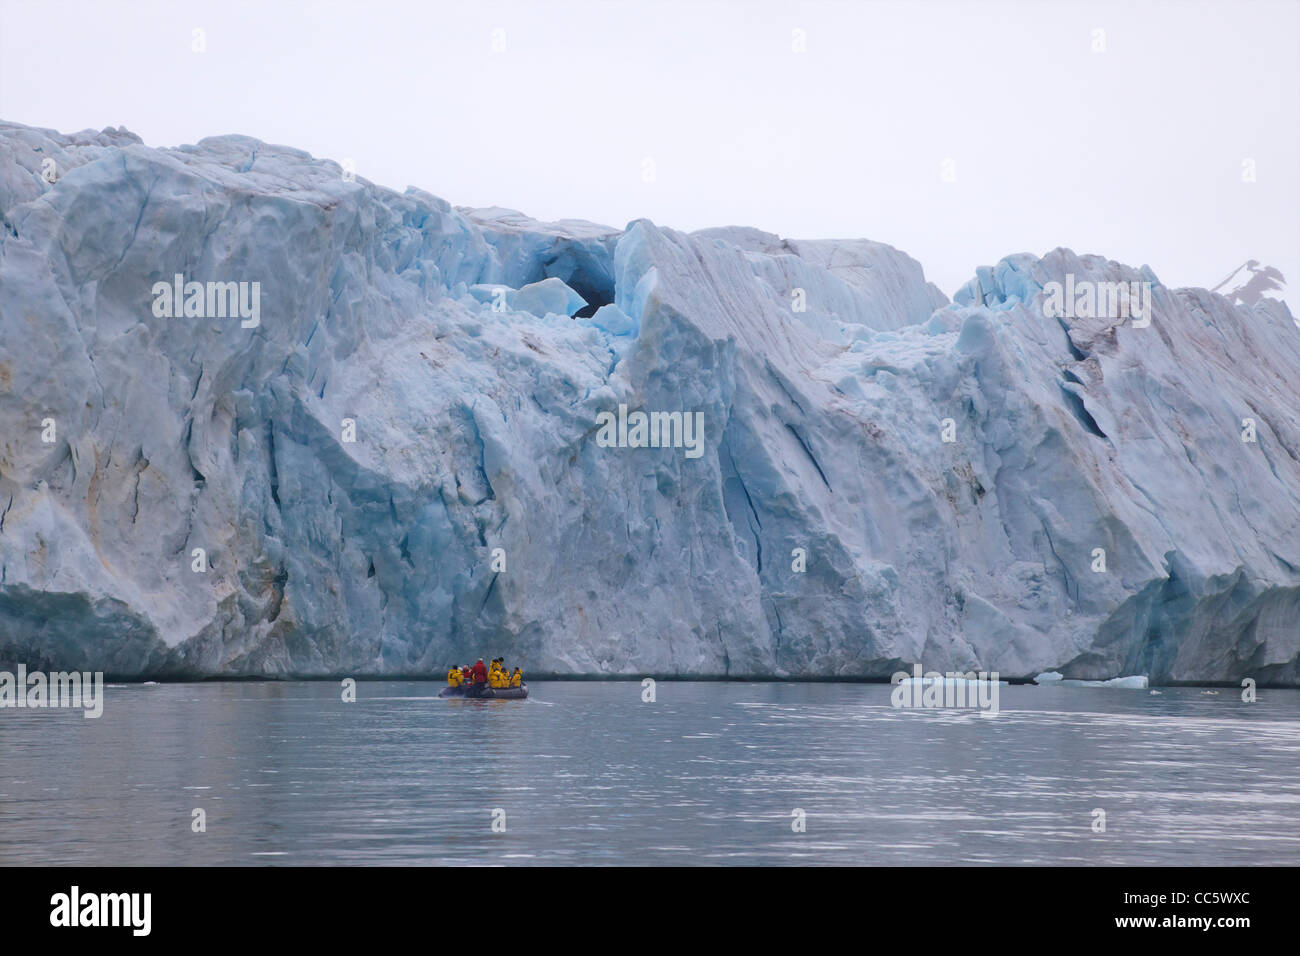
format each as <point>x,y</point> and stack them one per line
<point>590,276</point>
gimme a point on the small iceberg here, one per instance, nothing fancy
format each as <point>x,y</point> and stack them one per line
<point>1138,682</point>
<point>1048,677</point>
<point>948,681</point>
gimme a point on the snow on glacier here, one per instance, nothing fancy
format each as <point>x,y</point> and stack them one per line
<point>474,349</point>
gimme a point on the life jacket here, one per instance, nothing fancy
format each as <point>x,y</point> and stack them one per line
<point>517,678</point>
<point>453,677</point>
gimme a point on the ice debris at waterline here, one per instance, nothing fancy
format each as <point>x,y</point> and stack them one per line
<point>1128,682</point>
<point>397,463</point>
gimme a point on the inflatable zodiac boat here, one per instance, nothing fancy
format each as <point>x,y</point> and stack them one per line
<point>484,692</point>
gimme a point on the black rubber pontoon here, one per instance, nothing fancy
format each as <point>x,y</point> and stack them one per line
<point>484,692</point>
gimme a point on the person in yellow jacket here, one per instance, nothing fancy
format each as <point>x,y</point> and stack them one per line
<point>454,677</point>
<point>517,678</point>
<point>496,677</point>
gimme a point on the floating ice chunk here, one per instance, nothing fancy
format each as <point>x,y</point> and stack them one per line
<point>1138,682</point>
<point>950,681</point>
<point>1047,677</point>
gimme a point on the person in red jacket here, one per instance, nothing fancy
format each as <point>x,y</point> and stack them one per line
<point>478,673</point>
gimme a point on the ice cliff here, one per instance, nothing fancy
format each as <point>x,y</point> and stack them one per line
<point>396,466</point>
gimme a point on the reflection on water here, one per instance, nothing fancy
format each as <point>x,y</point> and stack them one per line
<point>710,773</point>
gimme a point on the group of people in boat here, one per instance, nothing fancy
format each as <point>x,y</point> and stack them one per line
<point>494,675</point>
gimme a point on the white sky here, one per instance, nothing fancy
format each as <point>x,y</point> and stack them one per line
<point>1135,153</point>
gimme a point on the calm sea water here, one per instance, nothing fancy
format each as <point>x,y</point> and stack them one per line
<point>709,774</point>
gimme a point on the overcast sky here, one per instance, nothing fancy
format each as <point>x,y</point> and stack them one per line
<point>1135,152</point>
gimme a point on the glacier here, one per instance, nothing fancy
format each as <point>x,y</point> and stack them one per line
<point>396,468</point>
